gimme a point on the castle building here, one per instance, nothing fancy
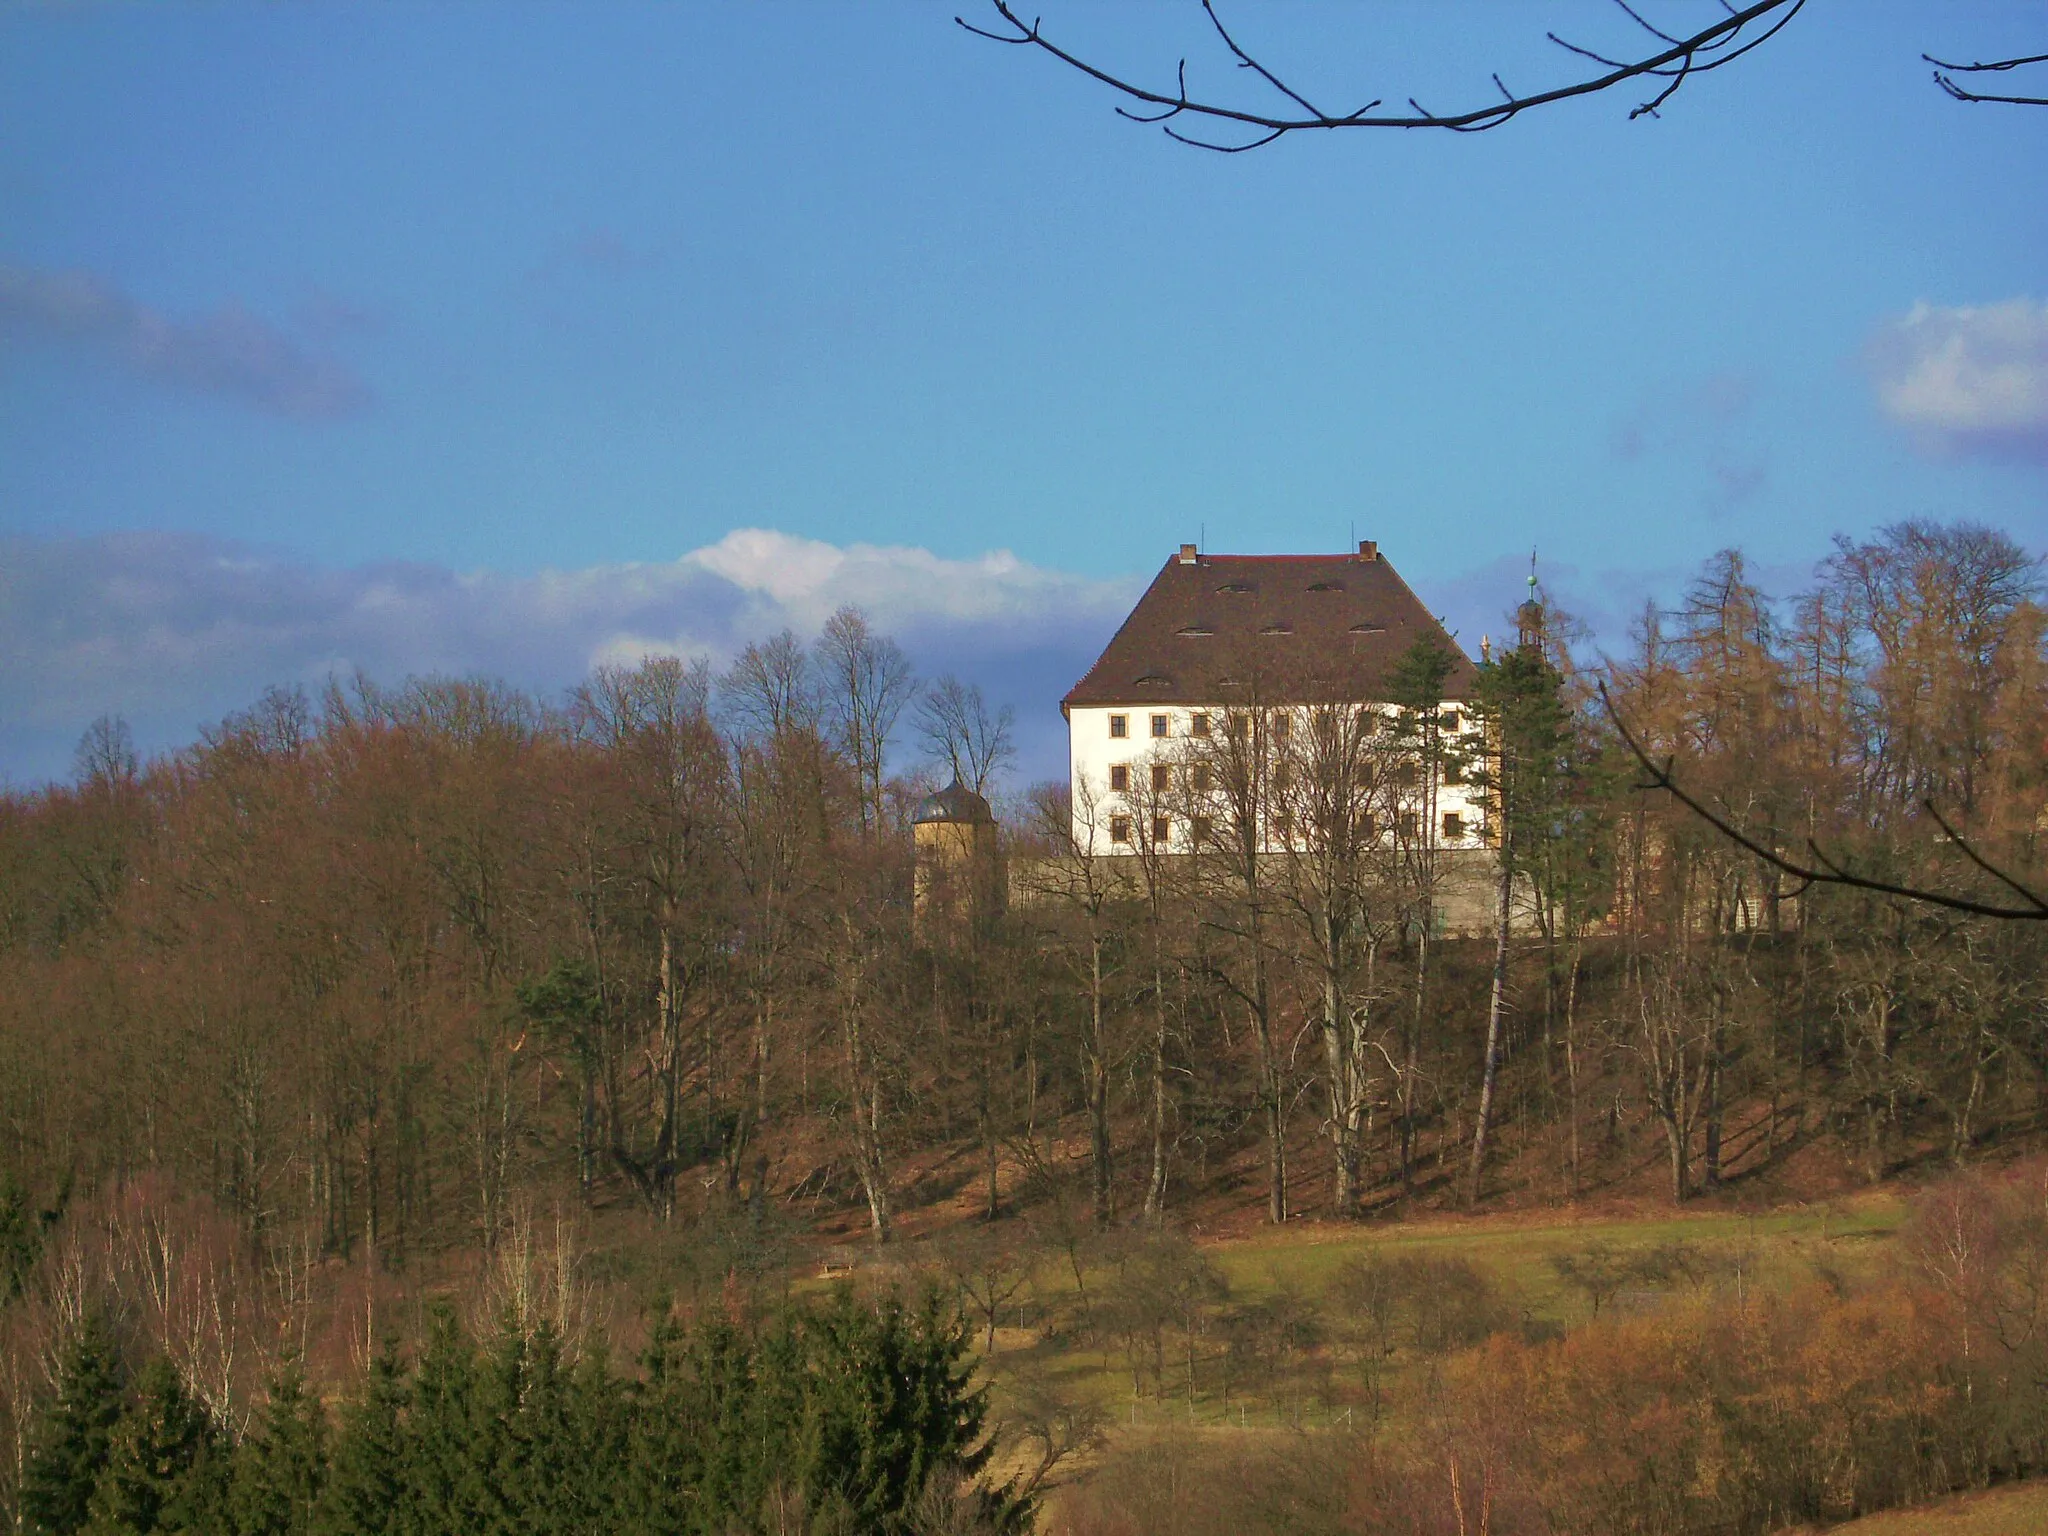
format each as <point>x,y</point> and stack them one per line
<point>1260,648</point>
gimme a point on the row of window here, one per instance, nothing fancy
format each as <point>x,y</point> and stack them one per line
<point>1198,725</point>
<point>1201,828</point>
<point>1162,726</point>
<point>1401,776</point>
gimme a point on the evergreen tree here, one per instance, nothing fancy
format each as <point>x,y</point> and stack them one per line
<point>163,1470</point>
<point>891,1407</point>
<point>24,1227</point>
<point>68,1444</point>
<point>445,1475</point>
<point>548,1477</point>
<point>282,1465</point>
<point>665,1433</point>
<point>368,1485</point>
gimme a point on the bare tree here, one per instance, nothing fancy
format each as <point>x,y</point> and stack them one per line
<point>106,756</point>
<point>957,728</point>
<point>653,722</point>
<point>1232,823</point>
<point>1327,779</point>
<point>1082,876</point>
<point>867,682</point>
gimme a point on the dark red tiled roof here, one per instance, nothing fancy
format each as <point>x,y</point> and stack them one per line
<point>1271,627</point>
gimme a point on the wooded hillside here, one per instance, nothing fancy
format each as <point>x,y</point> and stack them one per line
<point>374,977</point>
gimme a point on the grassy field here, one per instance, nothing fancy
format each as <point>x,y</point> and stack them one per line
<point>1768,1249</point>
<point>2019,1511</point>
<point>1517,1251</point>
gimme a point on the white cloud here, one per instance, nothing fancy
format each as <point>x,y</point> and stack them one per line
<point>1970,380</point>
<point>173,630</point>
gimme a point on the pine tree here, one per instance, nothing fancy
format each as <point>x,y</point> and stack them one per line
<point>282,1465</point>
<point>367,1488</point>
<point>444,1472</point>
<point>891,1407</point>
<point>162,1470</point>
<point>665,1436</point>
<point>549,1478</point>
<point>68,1448</point>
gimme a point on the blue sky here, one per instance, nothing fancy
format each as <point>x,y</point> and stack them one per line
<point>466,337</point>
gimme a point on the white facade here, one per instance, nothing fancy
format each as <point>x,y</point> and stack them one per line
<point>1136,738</point>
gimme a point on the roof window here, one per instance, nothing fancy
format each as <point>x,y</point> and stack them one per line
<point>1194,631</point>
<point>1326,586</point>
<point>1278,629</point>
<point>1235,587</point>
<point>1368,629</point>
<point>1155,680</point>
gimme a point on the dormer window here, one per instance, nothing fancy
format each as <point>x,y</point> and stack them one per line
<point>1155,680</point>
<point>1326,586</point>
<point>1277,629</point>
<point>1235,588</point>
<point>1368,629</point>
<point>1195,632</point>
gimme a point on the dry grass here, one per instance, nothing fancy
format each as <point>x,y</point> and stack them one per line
<point>2020,1511</point>
<point>1767,1249</point>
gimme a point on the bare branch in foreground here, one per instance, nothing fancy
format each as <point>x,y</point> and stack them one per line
<point>1824,870</point>
<point>1682,58</point>
<point>1945,73</point>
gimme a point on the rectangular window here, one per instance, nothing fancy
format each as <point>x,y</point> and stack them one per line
<point>1119,727</point>
<point>1365,829</point>
<point>1411,823</point>
<point>1454,770</point>
<point>1119,829</point>
<point>1448,720</point>
<point>1283,774</point>
<point>1120,778</point>
<point>1161,726</point>
<point>1198,723</point>
<point>1200,828</point>
<point>1281,725</point>
<point>1198,778</point>
<point>1161,776</point>
<point>1283,827</point>
<point>1162,832</point>
<point>1454,827</point>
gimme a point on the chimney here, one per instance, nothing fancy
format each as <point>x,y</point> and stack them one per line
<point>1368,549</point>
<point>1188,555</point>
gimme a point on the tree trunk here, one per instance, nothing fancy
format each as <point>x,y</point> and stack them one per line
<point>1571,1065</point>
<point>1495,1009</point>
<point>1410,1056</point>
<point>1343,1095</point>
<point>1098,1092</point>
<point>1155,1186</point>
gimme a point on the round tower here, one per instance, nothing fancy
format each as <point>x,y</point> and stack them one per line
<point>959,855</point>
